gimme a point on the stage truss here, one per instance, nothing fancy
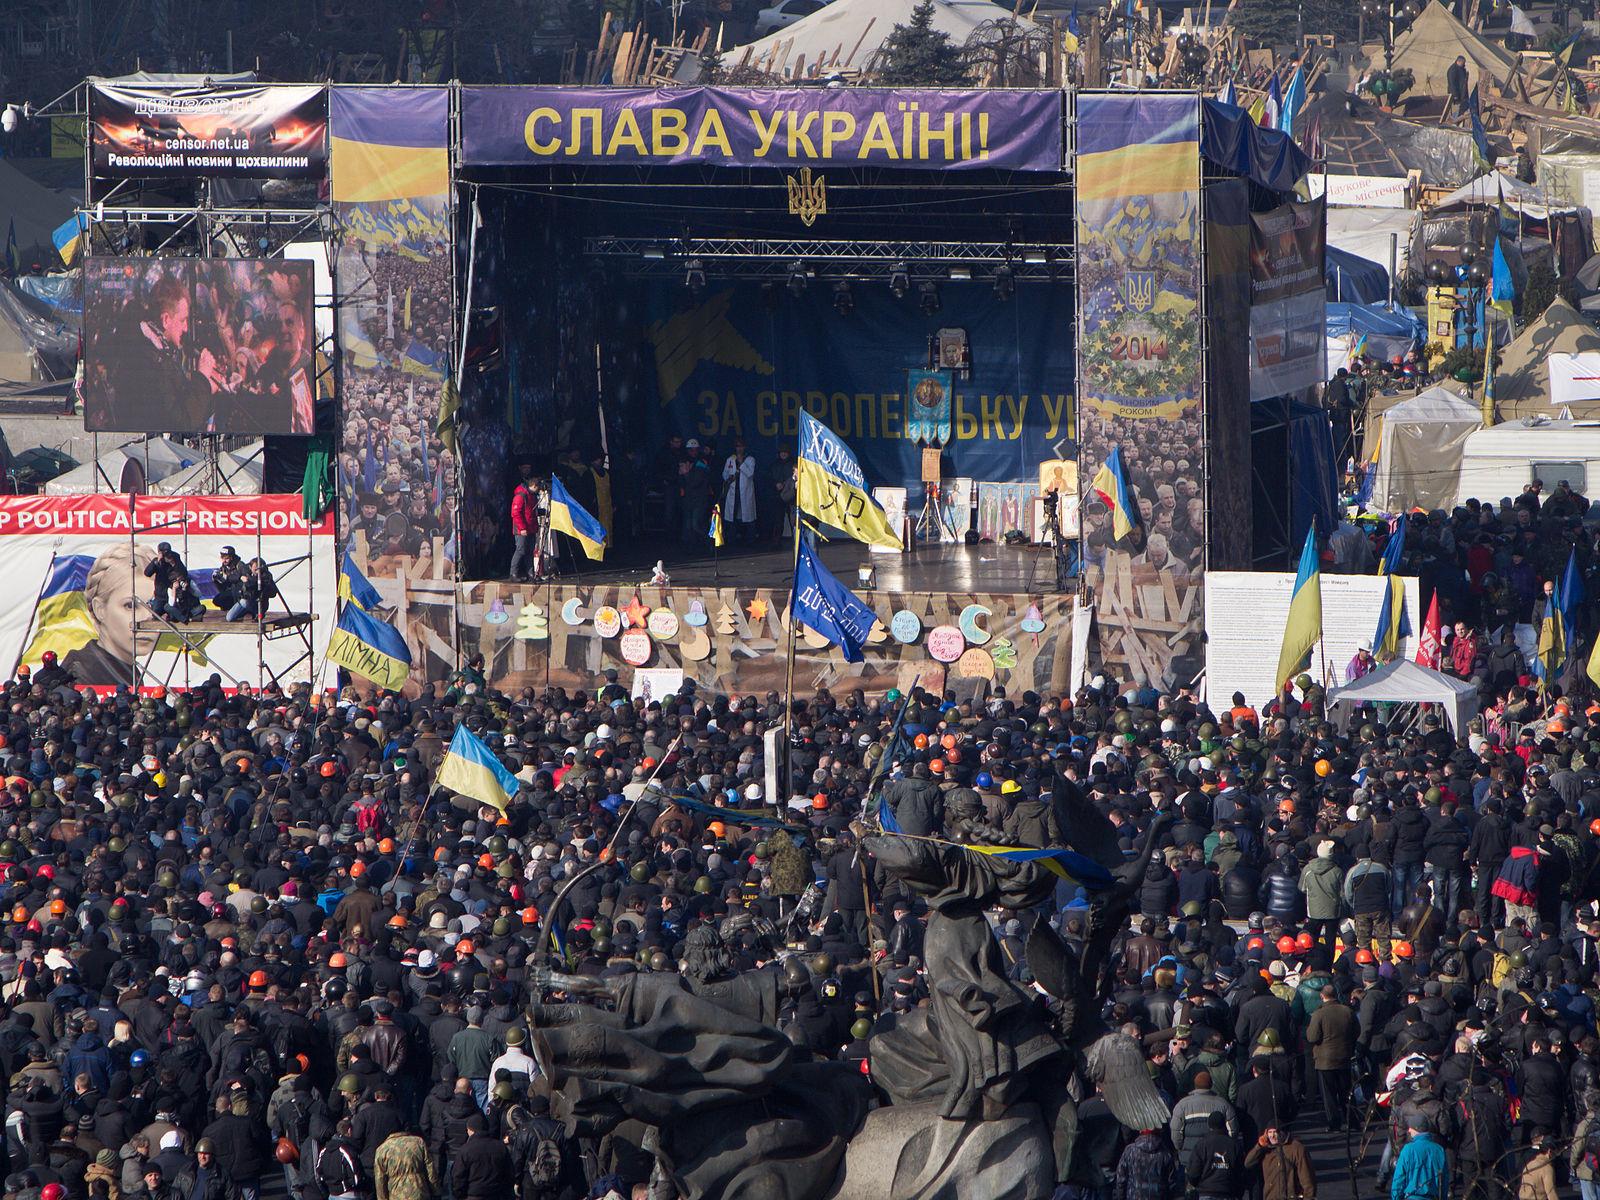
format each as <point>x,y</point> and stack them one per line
<point>776,258</point>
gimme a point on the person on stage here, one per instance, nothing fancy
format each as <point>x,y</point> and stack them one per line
<point>739,493</point>
<point>525,525</point>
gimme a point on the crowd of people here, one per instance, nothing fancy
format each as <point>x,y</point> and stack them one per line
<point>251,947</point>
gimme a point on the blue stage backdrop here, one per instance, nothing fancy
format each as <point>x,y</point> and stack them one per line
<point>741,361</point>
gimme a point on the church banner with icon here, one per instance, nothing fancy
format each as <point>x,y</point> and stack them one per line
<point>1139,292</point>
<point>928,413</point>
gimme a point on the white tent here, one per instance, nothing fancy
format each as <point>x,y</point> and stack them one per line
<point>1433,42</point>
<point>1419,450</point>
<point>846,34</point>
<point>240,474</point>
<point>1405,682</point>
<point>128,468</point>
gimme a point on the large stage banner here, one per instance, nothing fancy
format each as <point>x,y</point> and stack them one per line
<point>75,581</point>
<point>396,472</point>
<point>1288,298</point>
<point>1013,130</point>
<point>738,362</point>
<point>1139,288</point>
<point>272,131</point>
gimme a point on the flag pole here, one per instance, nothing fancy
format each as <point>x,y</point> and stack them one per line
<point>788,683</point>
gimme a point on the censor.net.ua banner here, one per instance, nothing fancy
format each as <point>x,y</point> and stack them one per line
<point>75,577</point>
<point>274,131</point>
<point>750,127</point>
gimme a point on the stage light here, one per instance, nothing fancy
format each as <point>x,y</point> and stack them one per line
<point>929,298</point>
<point>653,253</point>
<point>960,273</point>
<point>899,280</point>
<point>797,278</point>
<point>867,575</point>
<point>843,301</point>
<point>1036,258</point>
<point>1004,283</point>
<point>694,276</point>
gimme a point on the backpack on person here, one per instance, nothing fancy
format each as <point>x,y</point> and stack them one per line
<point>544,1164</point>
<point>1591,1149</point>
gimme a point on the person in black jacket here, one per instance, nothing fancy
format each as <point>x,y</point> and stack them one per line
<point>242,1147</point>
<point>1445,848</point>
<point>1213,1161</point>
<point>1279,892</point>
<point>916,803</point>
<point>164,569</point>
<point>256,593</point>
<point>1487,849</point>
<point>1410,827</point>
<point>1542,1087</point>
<point>482,1170</point>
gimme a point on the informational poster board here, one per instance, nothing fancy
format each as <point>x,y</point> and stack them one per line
<point>1245,614</point>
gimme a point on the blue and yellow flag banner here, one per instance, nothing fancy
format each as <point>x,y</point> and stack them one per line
<point>1393,621</point>
<point>569,517</point>
<point>715,532</point>
<point>1570,600</point>
<point>61,622</point>
<point>824,605</point>
<point>1068,864</point>
<point>1111,485</point>
<point>469,768</point>
<point>1303,628</point>
<point>367,646</point>
<point>356,588</point>
<point>68,237</point>
<point>831,487</point>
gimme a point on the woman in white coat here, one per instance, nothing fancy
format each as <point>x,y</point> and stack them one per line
<point>739,493</point>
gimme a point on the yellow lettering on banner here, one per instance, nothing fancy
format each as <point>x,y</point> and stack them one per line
<point>842,425</point>
<point>908,121</point>
<point>947,139</point>
<point>800,134</point>
<point>989,407</point>
<point>627,133</point>
<point>966,424</point>
<point>817,405</point>
<point>889,423</point>
<point>1053,407</point>
<point>766,133</point>
<point>1017,409</point>
<point>791,414</point>
<point>730,418</point>
<point>669,131</point>
<point>966,136</point>
<point>866,415</point>
<point>575,132</point>
<point>711,133</point>
<point>530,131</point>
<point>766,422</point>
<point>836,127</point>
<point>708,414</point>
<point>878,137</point>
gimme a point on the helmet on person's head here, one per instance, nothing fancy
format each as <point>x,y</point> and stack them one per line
<point>1365,957</point>
<point>258,979</point>
<point>48,658</point>
<point>328,769</point>
<point>1403,949</point>
<point>1286,945</point>
<point>1304,941</point>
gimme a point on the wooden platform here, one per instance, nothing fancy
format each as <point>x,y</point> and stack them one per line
<point>215,623</point>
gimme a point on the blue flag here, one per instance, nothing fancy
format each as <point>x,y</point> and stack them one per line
<point>354,587</point>
<point>825,605</point>
<point>1570,599</point>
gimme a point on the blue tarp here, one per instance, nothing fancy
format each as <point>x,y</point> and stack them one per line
<point>1389,331</point>
<point>1355,280</point>
<point>1232,141</point>
<point>1313,475</point>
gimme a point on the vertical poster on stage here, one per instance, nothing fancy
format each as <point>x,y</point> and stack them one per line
<point>397,461</point>
<point>1288,298</point>
<point>75,581</point>
<point>1139,284</point>
<point>153,131</point>
<point>928,413</point>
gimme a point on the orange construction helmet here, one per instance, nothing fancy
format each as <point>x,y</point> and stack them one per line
<point>397,921</point>
<point>19,915</point>
<point>1256,943</point>
<point>328,769</point>
<point>948,741</point>
<point>1403,950</point>
<point>58,908</point>
<point>819,802</point>
<point>530,915</point>
<point>486,861</point>
<point>1364,956</point>
<point>464,947</point>
<point>338,961</point>
<point>920,741</point>
<point>1594,827</point>
<point>937,766</point>
<point>1286,945</point>
<point>386,846</point>
<point>357,869</point>
<point>718,828</point>
<point>258,979</point>
<point>1304,941</point>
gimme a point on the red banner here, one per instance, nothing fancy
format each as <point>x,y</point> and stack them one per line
<point>239,516</point>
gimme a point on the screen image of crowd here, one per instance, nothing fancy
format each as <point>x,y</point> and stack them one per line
<point>198,346</point>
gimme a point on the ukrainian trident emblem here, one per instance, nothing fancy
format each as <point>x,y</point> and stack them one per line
<point>1139,290</point>
<point>808,198</point>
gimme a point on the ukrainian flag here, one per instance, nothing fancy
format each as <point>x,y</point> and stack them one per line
<point>354,587</point>
<point>61,622</point>
<point>469,768</point>
<point>1393,624</point>
<point>1303,629</point>
<point>1111,485</point>
<point>68,237</point>
<point>715,533</point>
<point>419,360</point>
<point>831,488</point>
<point>1067,864</point>
<point>367,646</point>
<point>569,517</point>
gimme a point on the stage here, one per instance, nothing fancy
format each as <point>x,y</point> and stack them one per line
<point>984,567</point>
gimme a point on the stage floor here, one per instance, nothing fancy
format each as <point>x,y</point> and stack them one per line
<point>989,567</point>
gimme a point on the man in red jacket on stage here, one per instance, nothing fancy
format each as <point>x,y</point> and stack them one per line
<point>525,561</point>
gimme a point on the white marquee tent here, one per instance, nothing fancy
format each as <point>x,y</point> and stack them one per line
<point>1419,450</point>
<point>1405,682</point>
